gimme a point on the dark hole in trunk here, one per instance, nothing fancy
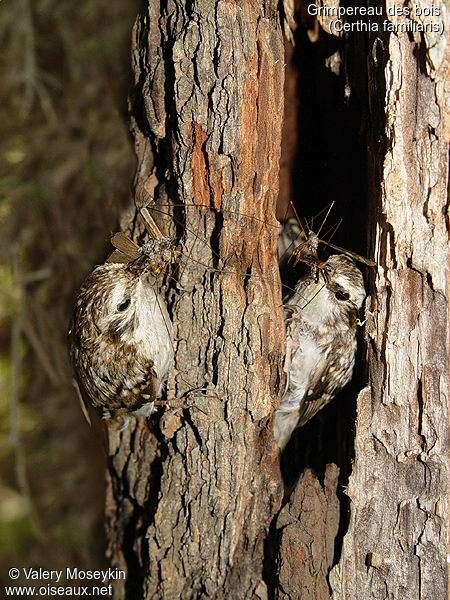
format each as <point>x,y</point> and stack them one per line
<point>325,160</point>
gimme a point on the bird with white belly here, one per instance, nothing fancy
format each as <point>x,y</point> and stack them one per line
<point>321,326</point>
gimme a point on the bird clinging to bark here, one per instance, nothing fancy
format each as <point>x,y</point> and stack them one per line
<point>121,334</point>
<point>321,327</point>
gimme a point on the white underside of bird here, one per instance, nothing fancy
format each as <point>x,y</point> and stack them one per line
<point>153,330</point>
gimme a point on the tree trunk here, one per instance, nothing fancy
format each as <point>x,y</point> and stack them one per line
<point>191,496</point>
<point>395,546</point>
<point>307,527</point>
<point>395,541</point>
<point>189,502</point>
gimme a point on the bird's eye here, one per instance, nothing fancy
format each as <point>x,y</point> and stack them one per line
<point>124,305</point>
<point>342,296</point>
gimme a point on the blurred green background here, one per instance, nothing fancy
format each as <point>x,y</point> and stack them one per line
<point>66,163</point>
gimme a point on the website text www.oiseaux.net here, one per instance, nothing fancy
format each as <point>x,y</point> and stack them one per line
<point>62,583</point>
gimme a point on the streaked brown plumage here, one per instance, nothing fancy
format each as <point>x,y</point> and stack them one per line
<point>321,326</point>
<point>120,337</point>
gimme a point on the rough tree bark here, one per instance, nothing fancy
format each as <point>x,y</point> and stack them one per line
<point>395,546</point>
<point>396,540</point>
<point>307,527</point>
<point>189,505</point>
<point>188,508</point>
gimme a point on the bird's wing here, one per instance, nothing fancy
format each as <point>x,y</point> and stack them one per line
<point>288,359</point>
<point>292,320</point>
<point>145,388</point>
<point>321,389</point>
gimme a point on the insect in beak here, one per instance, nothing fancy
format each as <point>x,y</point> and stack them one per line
<point>139,265</point>
<point>144,264</point>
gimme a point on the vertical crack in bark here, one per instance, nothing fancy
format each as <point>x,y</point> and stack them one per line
<point>330,164</point>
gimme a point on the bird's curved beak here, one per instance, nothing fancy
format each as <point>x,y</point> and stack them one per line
<point>320,267</point>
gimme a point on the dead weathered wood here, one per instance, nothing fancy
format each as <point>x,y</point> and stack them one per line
<point>306,529</point>
<point>395,546</point>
